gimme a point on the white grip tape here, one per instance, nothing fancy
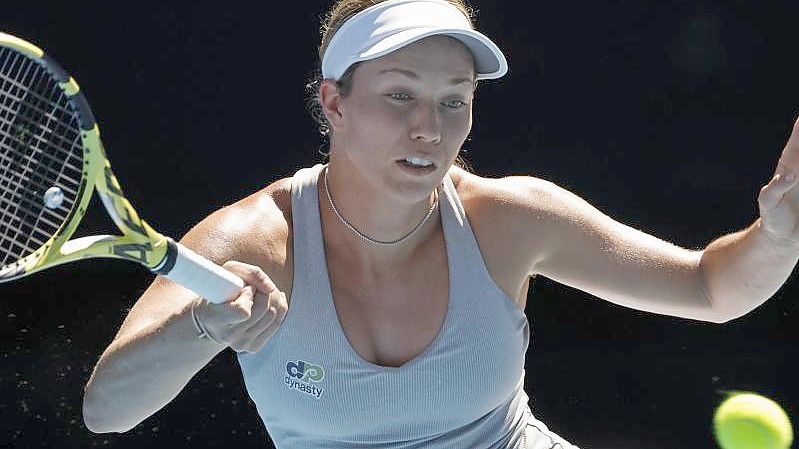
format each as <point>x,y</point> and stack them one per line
<point>203,277</point>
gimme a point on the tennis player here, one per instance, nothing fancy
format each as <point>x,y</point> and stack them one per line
<point>385,296</point>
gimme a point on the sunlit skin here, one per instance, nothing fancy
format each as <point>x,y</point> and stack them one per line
<point>416,101</point>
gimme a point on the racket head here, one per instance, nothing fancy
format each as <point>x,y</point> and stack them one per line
<point>51,162</point>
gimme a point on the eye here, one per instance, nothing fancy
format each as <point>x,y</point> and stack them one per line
<point>400,96</point>
<point>455,104</point>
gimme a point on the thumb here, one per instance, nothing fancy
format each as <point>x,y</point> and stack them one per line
<point>789,159</point>
<point>772,193</point>
<point>240,309</point>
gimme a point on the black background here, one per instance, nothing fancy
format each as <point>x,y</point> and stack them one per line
<point>667,116</point>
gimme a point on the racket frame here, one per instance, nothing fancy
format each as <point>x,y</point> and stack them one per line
<point>139,242</point>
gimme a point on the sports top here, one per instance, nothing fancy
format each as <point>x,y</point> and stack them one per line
<point>466,390</point>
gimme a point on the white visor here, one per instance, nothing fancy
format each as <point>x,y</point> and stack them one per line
<point>393,24</point>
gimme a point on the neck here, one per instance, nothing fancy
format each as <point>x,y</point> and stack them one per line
<point>375,215</point>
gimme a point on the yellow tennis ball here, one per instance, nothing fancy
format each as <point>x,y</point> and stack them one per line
<point>751,421</point>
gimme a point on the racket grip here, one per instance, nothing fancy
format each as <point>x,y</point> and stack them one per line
<point>199,274</point>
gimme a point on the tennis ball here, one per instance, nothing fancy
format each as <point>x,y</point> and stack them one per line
<point>751,421</point>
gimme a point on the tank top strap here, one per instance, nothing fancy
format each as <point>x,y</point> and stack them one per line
<point>461,242</point>
<point>306,230</point>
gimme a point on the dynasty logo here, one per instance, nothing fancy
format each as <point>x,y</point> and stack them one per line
<point>302,376</point>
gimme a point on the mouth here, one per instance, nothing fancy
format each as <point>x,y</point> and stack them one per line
<point>417,162</point>
<point>416,166</point>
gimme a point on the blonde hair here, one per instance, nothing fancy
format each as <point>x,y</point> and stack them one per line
<point>340,12</point>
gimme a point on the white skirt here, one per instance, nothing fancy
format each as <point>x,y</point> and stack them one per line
<point>538,436</point>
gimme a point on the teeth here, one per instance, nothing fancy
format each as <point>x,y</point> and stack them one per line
<point>418,161</point>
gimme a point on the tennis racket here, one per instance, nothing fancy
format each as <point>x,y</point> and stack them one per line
<point>51,162</point>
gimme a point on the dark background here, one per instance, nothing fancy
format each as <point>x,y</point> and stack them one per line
<point>667,116</point>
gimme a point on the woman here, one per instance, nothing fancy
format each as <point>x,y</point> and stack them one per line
<point>385,289</point>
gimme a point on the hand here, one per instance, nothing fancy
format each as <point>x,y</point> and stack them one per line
<point>247,321</point>
<point>779,199</point>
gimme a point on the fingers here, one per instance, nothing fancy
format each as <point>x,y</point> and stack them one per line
<point>262,330</point>
<point>261,309</point>
<point>248,321</point>
<point>790,154</point>
<point>221,320</point>
<point>251,275</point>
<point>255,278</point>
<point>772,193</point>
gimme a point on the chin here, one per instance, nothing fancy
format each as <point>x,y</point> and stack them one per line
<point>415,191</point>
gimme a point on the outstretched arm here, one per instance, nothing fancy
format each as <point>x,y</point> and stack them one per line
<point>575,244</point>
<point>568,240</point>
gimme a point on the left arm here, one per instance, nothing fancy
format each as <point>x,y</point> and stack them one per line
<point>573,243</point>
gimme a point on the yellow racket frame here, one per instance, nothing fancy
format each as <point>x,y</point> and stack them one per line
<point>138,243</point>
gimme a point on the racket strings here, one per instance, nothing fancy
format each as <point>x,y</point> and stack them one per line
<point>16,93</point>
<point>25,228</point>
<point>40,148</point>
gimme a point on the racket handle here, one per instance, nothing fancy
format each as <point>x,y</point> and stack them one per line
<point>199,274</point>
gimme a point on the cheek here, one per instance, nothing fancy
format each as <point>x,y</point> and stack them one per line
<point>458,126</point>
<point>375,131</point>
<point>382,132</point>
<point>380,116</point>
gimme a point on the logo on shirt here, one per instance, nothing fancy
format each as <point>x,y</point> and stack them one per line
<point>302,376</point>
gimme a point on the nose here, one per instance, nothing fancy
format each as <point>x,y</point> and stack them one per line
<point>426,124</point>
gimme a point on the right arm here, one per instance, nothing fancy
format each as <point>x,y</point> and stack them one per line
<point>148,364</point>
<point>156,351</point>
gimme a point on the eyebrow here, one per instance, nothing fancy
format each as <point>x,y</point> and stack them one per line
<point>414,76</point>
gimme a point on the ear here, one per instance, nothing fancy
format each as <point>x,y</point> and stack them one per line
<point>330,99</point>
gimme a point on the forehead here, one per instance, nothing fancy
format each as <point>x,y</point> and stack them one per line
<point>433,55</point>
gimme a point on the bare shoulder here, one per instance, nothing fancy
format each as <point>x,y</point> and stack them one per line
<point>526,216</point>
<point>254,230</point>
<point>511,192</point>
<point>508,199</point>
